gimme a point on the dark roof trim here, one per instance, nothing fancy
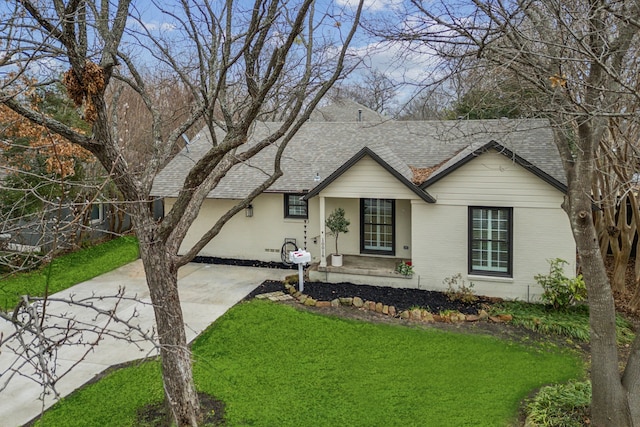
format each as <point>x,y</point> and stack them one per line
<point>366,151</point>
<point>505,152</point>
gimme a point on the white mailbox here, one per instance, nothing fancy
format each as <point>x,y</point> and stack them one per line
<point>300,257</point>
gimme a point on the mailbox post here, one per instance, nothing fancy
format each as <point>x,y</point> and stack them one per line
<point>300,257</point>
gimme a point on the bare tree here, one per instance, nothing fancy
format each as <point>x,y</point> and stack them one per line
<point>615,188</point>
<point>234,59</point>
<point>426,105</point>
<point>376,90</point>
<point>581,59</point>
<point>44,332</point>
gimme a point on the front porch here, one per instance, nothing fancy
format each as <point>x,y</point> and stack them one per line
<point>364,270</point>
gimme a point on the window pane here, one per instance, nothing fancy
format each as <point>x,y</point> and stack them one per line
<point>378,225</point>
<point>95,212</point>
<point>296,207</point>
<point>489,240</point>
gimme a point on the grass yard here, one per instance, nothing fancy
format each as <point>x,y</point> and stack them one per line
<point>68,270</point>
<point>273,365</point>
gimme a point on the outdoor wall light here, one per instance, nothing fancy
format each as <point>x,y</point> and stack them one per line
<point>317,177</point>
<point>248,211</point>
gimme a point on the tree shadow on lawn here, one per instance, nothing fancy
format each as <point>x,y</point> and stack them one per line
<point>157,415</point>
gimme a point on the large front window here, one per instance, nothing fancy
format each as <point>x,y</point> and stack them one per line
<point>490,241</point>
<point>377,226</point>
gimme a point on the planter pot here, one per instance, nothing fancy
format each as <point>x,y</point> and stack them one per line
<point>336,260</point>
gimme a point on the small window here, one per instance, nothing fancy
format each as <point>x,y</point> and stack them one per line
<point>295,206</point>
<point>97,213</point>
<point>490,241</point>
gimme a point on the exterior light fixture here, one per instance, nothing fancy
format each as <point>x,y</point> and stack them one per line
<point>317,177</point>
<point>248,211</point>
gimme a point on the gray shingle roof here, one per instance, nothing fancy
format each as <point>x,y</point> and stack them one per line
<point>322,147</point>
<point>346,110</point>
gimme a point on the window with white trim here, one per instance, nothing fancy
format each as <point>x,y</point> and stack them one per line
<point>97,213</point>
<point>490,241</point>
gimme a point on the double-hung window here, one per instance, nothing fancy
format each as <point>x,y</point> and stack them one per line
<point>490,241</point>
<point>295,206</point>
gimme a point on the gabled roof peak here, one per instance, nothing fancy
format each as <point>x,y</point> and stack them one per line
<point>477,149</point>
<point>366,151</point>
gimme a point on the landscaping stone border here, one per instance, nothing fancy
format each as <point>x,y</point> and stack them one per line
<point>416,314</point>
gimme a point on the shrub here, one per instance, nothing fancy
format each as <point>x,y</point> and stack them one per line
<point>559,290</point>
<point>457,289</point>
<point>560,405</point>
<point>291,280</point>
<point>405,269</point>
<point>572,322</point>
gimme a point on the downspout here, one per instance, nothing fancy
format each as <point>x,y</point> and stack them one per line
<point>323,251</point>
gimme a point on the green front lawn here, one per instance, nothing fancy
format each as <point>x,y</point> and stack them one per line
<point>274,365</point>
<point>68,270</point>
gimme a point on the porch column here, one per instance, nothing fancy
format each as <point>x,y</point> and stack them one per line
<point>323,238</point>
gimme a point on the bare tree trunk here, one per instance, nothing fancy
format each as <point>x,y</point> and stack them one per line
<point>609,401</point>
<point>619,276</point>
<point>162,278</point>
<point>634,303</point>
<point>609,406</point>
<point>623,242</point>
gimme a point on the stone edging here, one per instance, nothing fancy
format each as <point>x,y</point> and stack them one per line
<point>389,310</point>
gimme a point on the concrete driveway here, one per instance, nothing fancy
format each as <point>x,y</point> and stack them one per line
<point>206,292</point>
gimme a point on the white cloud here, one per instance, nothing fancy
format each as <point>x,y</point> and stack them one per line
<point>152,26</point>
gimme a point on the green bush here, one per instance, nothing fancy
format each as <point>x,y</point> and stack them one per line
<point>560,291</point>
<point>404,269</point>
<point>565,405</point>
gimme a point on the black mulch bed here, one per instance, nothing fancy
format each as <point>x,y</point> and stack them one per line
<point>242,262</point>
<point>402,299</point>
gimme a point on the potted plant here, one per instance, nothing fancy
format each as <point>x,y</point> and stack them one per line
<point>337,223</point>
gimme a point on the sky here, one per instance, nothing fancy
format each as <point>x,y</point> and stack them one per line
<point>409,67</point>
<point>392,59</point>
